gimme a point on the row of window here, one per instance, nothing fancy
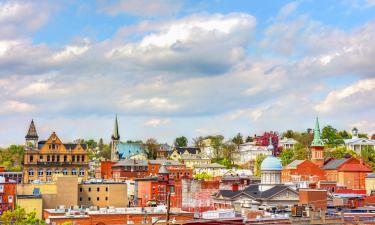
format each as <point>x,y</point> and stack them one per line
<point>75,158</point>
<point>89,199</point>
<point>64,172</point>
<point>89,189</point>
<point>135,168</point>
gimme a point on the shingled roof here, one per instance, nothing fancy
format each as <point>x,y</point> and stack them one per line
<point>334,164</point>
<point>31,133</point>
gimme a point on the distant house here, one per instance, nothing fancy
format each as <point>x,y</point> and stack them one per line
<point>212,169</point>
<point>192,160</point>
<point>248,152</point>
<point>164,151</point>
<point>179,151</point>
<point>357,144</point>
<point>287,143</point>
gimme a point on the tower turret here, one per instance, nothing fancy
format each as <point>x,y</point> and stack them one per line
<point>31,138</point>
<point>317,146</point>
<point>115,139</point>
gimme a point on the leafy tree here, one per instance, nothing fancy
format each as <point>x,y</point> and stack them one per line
<point>258,162</point>
<point>338,152</point>
<point>300,152</point>
<point>19,216</point>
<point>363,135</point>
<point>331,137</point>
<point>288,134</point>
<point>105,152</point>
<point>151,147</point>
<point>238,139</point>
<point>217,144</point>
<point>368,155</point>
<point>134,142</point>
<point>228,149</point>
<point>286,156</point>
<point>198,142</point>
<point>249,139</point>
<point>202,176</point>
<point>344,135</point>
<point>181,141</point>
<point>100,144</point>
<point>12,157</point>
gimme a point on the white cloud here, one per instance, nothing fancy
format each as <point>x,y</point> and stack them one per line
<point>156,122</point>
<point>13,106</point>
<point>70,52</point>
<point>147,8</point>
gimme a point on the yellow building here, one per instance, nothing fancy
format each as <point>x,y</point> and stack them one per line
<point>370,183</point>
<point>194,160</point>
<point>45,158</point>
<point>103,194</point>
<point>31,203</point>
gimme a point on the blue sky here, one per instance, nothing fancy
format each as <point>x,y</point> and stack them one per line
<point>171,68</point>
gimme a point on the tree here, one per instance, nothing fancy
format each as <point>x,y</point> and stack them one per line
<point>331,137</point>
<point>258,162</point>
<point>100,144</point>
<point>238,139</point>
<point>18,216</point>
<point>300,152</point>
<point>12,157</point>
<point>363,135</point>
<point>181,141</point>
<point>368,155</point>
<point>151,148</point>
<point>198,142</point>
<point>288,134</point>
<point>105,152</point>
<point>91,144</point>
<point>202,176</point>
<point>286,156</point>
<point>344,134</point>
<point>338,152</point>
<point>217,144</point>
<point>228,149</point>
<point>249,139</point>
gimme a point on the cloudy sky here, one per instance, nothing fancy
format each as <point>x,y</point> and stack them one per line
<point>171,68</point>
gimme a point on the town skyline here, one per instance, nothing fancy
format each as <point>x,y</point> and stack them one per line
<point>185,68</point>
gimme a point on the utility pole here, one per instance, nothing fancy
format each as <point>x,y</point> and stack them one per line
<point>168,207</point>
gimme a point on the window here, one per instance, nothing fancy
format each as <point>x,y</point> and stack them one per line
<point>53,146</point>
<point>49,172</point>
<point>74,171</point>
<point>80,189</point>
<point>53,158</point>
<point>106,198</point>
<point>89,189</point>
<point>65,158</point>
<point>106,189</point>
<point>172,189</point>
<point>65,171</point>
<point>31,158</point>
<point>97,189</point>
<point>57,171</point>
<point>80,199</point>
<point>73,158</point>
<point>31,172</point>
<point>81,172</point>
<point>40,157</point>
<point>48,158</point>
<point>97,198</point>
<point>83,158</point>
<point>40,172</point>
<point>89,199</point>
<point>58,158</point>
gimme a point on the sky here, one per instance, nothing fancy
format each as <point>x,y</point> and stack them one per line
<point>169,68</point>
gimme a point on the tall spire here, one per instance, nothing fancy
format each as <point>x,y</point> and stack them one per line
<point>317,141</point>
<point>31,133</point>
<point>116,135</point>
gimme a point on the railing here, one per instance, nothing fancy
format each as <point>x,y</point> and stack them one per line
<point>60,163</point>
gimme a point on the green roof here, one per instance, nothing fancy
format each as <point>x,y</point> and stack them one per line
<point>317,141</point>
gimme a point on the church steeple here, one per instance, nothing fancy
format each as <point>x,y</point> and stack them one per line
<point>115,140</point>
<point>317,141</point>
<point>115,135</point>
<point>32,136</point>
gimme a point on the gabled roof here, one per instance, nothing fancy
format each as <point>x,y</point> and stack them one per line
<point>31,133</point>
<point>254,192</point>
<point>334,164</point>
<point>359,141</point>
<point>355,168</point>
<point>191,150</point>
<point>228,193</point>
<point>294,164</point>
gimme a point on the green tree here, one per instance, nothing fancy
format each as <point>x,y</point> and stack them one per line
<point>258,162</point>
<point>286,156</point>
<point>202,176</point>
<point>105,152</point>
<point>331,137</point>
<point>228,149</point>
<point>91,144</point>
<point>151,147</point>
<point>249,139</point>
<point>238,139</point>
<point>217,144</point>
<point>368,155</point>
<point>344,134</point>
<point>100,144</point>
<point>198,142</point>
<point>181,141</point>
<point>300,152</point>
<point>18,216</point>
<point>338,152</point>
<point>363,135</point>
<point>288,134</point>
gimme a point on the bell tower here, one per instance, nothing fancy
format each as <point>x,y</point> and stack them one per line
<point>317,146</point>
<point>31,138</point>
<point>115,139</point>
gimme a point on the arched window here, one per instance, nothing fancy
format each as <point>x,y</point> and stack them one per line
<point>49,172</point>
<point>57,171</point>
<point>40,172</point>
<point>81,172</point>
<point>65,171</point>
<point>74,171</point>
<point>31,172</point>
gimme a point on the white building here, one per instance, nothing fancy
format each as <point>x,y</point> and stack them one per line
<point>287,143</point>
<point>248,152</point>
<point>356,143</point>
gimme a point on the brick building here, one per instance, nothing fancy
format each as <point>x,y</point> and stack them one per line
<point>129,169</point>
<point>7,194</point>
<point>154,190</point>
<point>44,158</point>
<point>197,195</point>
<point>11,176</point>
<point>313,197</point>
<point>349,172</point>
<point>106,169</point>
<point>302,171</point>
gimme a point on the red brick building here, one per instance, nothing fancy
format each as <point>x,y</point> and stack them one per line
<point>154,190</point>
<point>302,170</point>
<point>106,169</point>
<point>313,197</point>
<point>348,172</point>
<point>7,194</point>
<point>129,169</point>
<point>175,168</point>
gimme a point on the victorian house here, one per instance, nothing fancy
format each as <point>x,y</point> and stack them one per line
<point>43,159</point>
